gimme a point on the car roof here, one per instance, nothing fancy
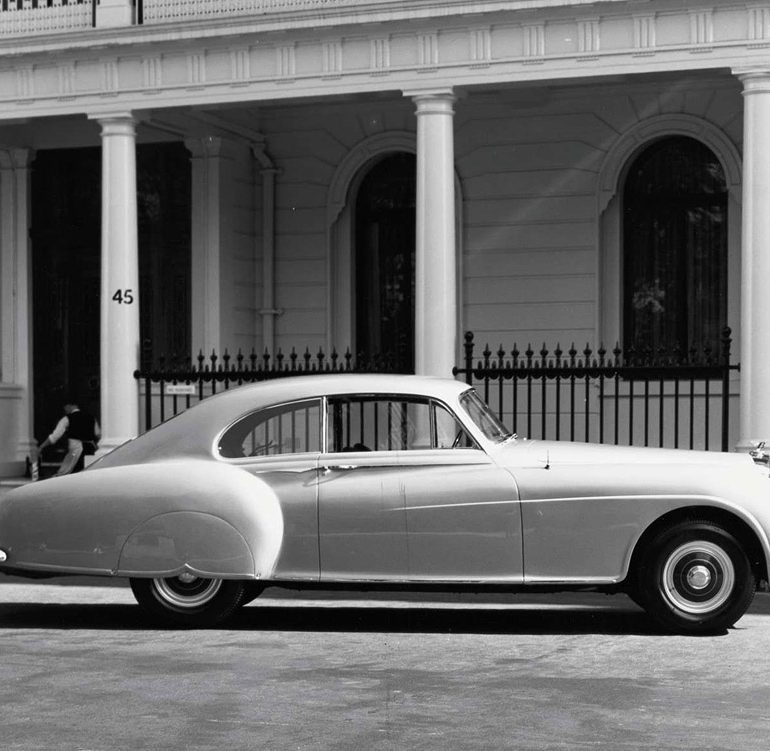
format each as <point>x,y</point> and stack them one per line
<point>192,432</point>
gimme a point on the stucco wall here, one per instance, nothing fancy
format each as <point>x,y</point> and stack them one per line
<point>528,163</point>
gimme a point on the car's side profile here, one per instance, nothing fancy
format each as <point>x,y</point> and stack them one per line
<point>393,481</point>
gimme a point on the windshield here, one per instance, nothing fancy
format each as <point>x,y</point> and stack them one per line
<point>483,417</point>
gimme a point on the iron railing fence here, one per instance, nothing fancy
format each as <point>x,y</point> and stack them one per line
<point>680,400</point>
<point>674,399</point>
<point>173,385</point>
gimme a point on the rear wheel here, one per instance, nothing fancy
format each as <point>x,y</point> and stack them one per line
<point>695,578</point>
<point>189,600</point>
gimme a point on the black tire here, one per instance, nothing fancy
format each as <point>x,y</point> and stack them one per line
<point>187,600</point>
<point>695,578</point>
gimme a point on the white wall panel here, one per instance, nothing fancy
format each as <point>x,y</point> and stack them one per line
<point>528,163</point>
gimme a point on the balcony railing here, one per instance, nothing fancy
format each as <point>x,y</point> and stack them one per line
<point>28,17</point>
<point>168,11</point>
<point>23,17</point>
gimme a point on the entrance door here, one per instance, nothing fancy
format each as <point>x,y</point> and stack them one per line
<point>66,254</point>
<point>384,262</point>
<point>65,234</point>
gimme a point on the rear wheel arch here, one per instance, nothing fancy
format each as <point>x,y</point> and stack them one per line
<point>724,518</point>
<point>166,543</point>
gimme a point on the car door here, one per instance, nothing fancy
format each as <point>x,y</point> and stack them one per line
<point>362,523</point>
<point>463,515</point>
<point>281,445</point>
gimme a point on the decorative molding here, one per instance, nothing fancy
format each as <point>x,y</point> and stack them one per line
<point>379,54</point>
<point>357,157</point>
<point>701,27</point>
<point>544,47</point>
<point>427,50</point>
<point>481,45</point>
<point>110,77</point>
<point>332,57</point>
<point>25,82</point>
<point>240,64</point>
<point>588,35</point>
<point>286,61</point>
<point>196,68</point>
<point>647,130</point>
<point>759,23</point>
<point>152,72</point>
<point>644,31</point>
<point>534,40</point>
<point>66,79</point>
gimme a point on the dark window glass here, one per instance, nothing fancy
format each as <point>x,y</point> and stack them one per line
<point>287,429</point>
<point>674,248</point>
<point>392,423</point>
<point>384,262</point>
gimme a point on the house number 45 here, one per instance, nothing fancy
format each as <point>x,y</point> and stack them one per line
<point>123,296</point>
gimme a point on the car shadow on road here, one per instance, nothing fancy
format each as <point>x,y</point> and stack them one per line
<point>521,620</point>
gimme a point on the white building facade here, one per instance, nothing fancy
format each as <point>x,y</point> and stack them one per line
<point>526,121</point>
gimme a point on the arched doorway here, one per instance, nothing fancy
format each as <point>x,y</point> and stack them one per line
<point>384,262</point>
<point>674,247</point>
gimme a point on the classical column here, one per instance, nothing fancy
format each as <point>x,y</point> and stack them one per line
<point>435,262</point>
<point>120,282</point>
<point>267,310</point>
<point>207,250</point>
<point>16,392</point>
<point>755,261</point>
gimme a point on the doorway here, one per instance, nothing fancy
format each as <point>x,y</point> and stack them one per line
<point>385,263</point>
<point>66,263</point>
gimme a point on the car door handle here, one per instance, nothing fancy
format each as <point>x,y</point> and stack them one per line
<point>330,467</point>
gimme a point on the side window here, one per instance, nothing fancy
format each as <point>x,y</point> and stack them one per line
<point>287,429</point>
<point>392,423</point>
<point>450,434</point>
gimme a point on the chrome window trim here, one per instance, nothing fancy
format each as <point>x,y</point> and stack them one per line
<point>244,459</point>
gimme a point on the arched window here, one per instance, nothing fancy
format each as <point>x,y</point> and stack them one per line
<point>674,247</point>
<point>384,261</point>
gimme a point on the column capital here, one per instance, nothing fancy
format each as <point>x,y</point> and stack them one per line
<point>755,80</point>
<point>425,97</point>
<point>16,158</point>
<point>211,147</point>
<point>114,123</point>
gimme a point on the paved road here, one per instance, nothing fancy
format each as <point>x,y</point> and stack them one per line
<point>80,670</point>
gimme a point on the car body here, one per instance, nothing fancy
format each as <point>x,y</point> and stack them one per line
<point>368,481</point>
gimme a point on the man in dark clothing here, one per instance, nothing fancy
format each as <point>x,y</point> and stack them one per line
<point>80,428</point>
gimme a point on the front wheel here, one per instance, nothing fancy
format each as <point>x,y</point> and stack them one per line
<point>695,578</point>
<point>189,600</point>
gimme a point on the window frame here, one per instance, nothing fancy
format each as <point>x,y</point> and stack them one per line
<point>315,400</point>
<point>679,279</point>
<point>432,402</point>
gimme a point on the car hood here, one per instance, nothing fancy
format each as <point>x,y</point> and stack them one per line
<point>564,453</point>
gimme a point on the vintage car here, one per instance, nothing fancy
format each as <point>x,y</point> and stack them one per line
<point>375,481</point>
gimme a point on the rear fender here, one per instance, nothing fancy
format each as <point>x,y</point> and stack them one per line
<point>186,541</point>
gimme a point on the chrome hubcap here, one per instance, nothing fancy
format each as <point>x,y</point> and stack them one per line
<point>186,591</point>
<point>698,577</point>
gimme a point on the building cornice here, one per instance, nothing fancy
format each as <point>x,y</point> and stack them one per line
<point>502,42</point>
